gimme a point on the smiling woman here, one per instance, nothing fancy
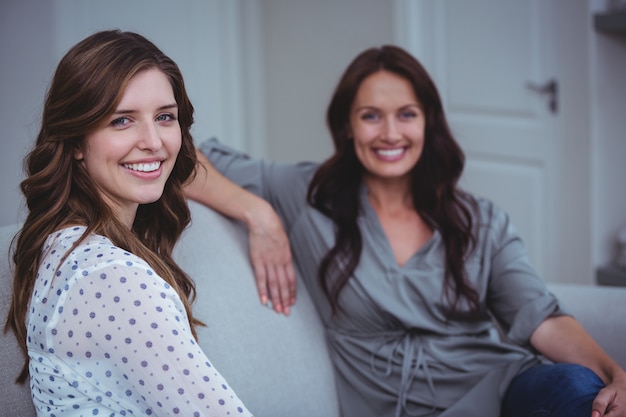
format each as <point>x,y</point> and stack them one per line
<point>414,277</point>
<point>109,307</point>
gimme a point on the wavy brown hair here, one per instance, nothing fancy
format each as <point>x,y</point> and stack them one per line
<point>335,187</point>
<point>86,88</point>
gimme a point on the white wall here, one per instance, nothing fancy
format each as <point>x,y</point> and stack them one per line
<point>207,38</point>
<point>307,45</point>
<point>261,72</point>
<point>26,61</point>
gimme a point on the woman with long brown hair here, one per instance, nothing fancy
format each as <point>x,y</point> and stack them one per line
<point>100,307</point>
<point>409,273</point>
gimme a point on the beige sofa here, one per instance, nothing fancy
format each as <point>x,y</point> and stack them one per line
<point>279,366</point>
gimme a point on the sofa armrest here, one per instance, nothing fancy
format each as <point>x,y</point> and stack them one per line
<point>601,311</point>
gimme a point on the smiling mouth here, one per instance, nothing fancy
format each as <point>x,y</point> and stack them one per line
<point>147,167</point>
<point>390,153</point>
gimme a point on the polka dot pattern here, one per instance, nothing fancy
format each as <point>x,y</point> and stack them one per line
<point>108,337</point>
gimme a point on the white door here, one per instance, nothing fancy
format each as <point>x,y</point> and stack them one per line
<point>489,58</point>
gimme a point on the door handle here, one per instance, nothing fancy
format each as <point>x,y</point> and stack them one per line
<point>551,89</point>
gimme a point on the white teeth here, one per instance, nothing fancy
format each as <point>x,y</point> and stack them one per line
<point>152,166</point>
<point>390,152</point>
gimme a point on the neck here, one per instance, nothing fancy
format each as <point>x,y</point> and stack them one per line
<point>127,217</point>
<point>390,196</point>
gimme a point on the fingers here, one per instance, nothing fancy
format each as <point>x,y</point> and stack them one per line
<point>270,255</point>
<point>290,276</point>
<point>275,288</point>
<point>281,285</point>
<point>598,408</point>
<point>275,283</point>
<point>604,403</point>
<point>261,279</point>
<point>286,287</point>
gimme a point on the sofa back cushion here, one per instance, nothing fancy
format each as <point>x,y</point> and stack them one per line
<point>279,366</point>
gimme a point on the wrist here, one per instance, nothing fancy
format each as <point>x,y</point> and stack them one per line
<point>255,211</point>
<point>618,375</point>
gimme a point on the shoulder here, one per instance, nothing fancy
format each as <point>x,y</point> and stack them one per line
<point>304,171</point>
<point>490,220</point>
<point>492,224</point>
<point>485,212</point>
<point>93,249</point>
<point>93,271</point>
<point>95,255</point>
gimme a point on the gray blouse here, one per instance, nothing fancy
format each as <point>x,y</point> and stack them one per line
<point>396,347</point>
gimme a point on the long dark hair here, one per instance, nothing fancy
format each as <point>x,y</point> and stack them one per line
<point>335,187</point>
<point>87,86</point>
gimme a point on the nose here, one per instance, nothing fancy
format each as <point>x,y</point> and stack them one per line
<point>391,130</point>
<point>150,139</point>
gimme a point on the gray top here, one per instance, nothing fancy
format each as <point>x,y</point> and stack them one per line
<point>396,350</point>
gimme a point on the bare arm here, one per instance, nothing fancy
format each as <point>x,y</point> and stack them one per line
<point>563,339</point>
<point>270,253</point>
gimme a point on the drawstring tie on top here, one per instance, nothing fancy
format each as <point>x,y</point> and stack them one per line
<point>411,347</point>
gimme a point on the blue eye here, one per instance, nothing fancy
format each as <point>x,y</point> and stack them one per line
<point>369,116</point>
<point>165,117</point>
<point>408,114</point>
<point>120,121</point>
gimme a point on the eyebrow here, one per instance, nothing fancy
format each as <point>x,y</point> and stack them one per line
<point>371,107</point>
<point>165,107</point>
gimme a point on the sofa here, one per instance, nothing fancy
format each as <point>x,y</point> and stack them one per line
<point>278,365</point>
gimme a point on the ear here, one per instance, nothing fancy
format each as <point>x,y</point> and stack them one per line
<point>78,152</point>
<point>348,130</point>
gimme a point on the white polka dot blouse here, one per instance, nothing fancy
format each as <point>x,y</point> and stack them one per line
<point>108,337</point>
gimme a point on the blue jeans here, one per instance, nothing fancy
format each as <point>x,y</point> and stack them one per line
<point>559,390</point>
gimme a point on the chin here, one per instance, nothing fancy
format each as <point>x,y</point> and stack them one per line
<point>149,199</point>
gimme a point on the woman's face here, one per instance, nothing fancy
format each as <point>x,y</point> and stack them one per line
<point>387,125</point>
<point>132,155</point>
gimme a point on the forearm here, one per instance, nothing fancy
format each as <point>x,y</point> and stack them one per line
<point>211,188</point>
<point>563,339</point>
<point>270,253</point>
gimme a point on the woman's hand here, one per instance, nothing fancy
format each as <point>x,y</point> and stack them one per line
<point>611,400</point>
<point>563,339</point>
<point>270,256</point>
